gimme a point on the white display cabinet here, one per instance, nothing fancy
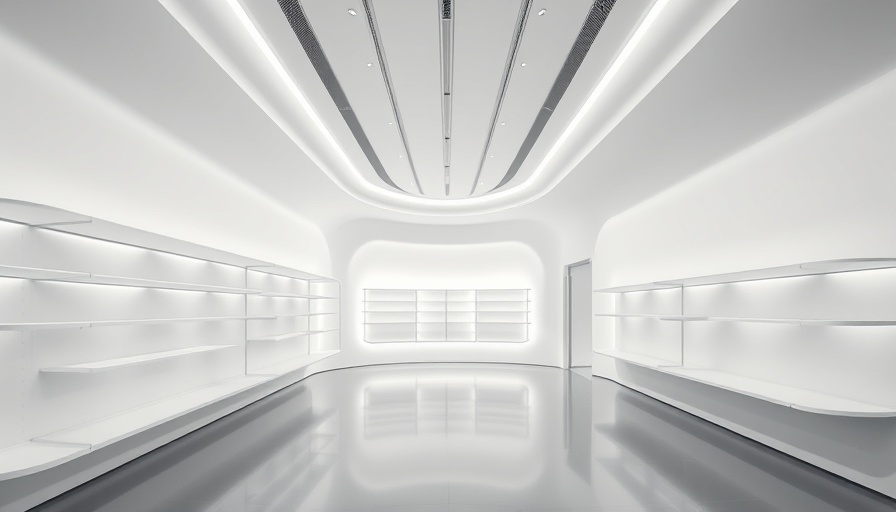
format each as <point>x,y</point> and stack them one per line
<point>817,336</point>
<point>107,331</point>
<point>500,316</point>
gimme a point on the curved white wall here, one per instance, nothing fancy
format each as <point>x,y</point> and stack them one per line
<point>64,144</point>
<point>819,189</point>
<point>378,254</point>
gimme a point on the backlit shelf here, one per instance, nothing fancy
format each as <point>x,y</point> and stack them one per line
<point>106,431</point>
<point>802,399</point>
<point>41,274</point>
<point>797,270</point>
<point>30,457</point>
<point>296,363</point>
<point>638,359</point>
<point>788,396</point>
<point>286,336</point>
<point>298,315</point>
<point>122,362</point>
<point>294,295</point>
<point>33,326</point>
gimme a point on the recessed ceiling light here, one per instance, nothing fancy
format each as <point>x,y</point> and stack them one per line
<point>503,123</point>
<point>370,64</point>
<point>523,64</point>
<point>353,12</point>
<point>541,12</point>
<point>390,122</point>
<point>491,156</point>
<point>399,156</point>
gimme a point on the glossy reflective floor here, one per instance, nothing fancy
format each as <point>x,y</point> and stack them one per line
<point>438,438</point>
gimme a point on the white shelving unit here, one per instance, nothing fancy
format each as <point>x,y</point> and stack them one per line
<point>486,316</point>
<point>797,397</point>
<point>179,324</point>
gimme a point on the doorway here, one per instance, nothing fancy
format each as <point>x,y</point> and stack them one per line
<point>578,313</point>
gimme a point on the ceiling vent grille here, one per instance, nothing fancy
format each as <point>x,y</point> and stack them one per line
<point>600,9</point>
<point>294,13</point>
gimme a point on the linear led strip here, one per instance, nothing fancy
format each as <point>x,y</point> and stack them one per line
<point>483,202</point>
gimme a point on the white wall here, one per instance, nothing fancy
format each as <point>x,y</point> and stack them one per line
<point>64,144</point>
<point>379,254</point>
<point>821,188</point>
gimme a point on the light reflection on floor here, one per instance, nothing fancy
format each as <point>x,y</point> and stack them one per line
<point>440,438</point>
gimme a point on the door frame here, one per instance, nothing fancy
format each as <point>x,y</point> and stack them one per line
<point>567,309</point>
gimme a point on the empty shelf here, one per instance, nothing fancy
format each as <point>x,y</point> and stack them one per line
<point>122,362</point>
<point>800,269</point>
<point>27,458</point>
<point>638,359</point>
<point>805,400</point>
<point>293,364</point>
<point>168,285</point>
<point>294,295</point>
<point>31,326</point>
<point>289,335</point>
<point>652,317</point>
<point>108,430</point>
<point>41,274</point>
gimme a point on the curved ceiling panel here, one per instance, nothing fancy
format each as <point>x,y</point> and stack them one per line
<point>461,103</point>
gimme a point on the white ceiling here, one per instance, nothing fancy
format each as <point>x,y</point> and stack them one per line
<point>765,64</point>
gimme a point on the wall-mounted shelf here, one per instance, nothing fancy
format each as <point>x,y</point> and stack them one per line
<point>42,274</point>
<point>797,270</point>
<point>122,362</point>
<point>436,317</point>
<point>804,400</point>
<point>112,256</point>
<point>290,365</point>
<point>815,401</point>
<point>106,431</point>
<point>758,320</point>
<point>638,359</point>
<point>284,295</point>
<point>30,457</point>
<point>286,336</point>
<point>34,326</point>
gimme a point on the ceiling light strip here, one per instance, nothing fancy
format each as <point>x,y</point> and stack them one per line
<point>525,6</point>
<point>446,33</point>
<point>600,9</point>
<point>294,13</point>
<point>390,90</point>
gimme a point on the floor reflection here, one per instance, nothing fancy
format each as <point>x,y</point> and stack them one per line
<point>464,438</point>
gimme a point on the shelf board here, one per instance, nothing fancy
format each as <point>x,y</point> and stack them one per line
<point>33,326</point>
<point>638,359</point>
<point>286,336</point>
<point>30,457</point>
<point>297,315</point>
<point>42,274</point>
<point>294,295</point>
<point>106,431</point>
<point>791,321</point>
<point>122,362</point>
<point>804,400</point>
<point>801,269</point>
<point>284,367</point>
<point>39,273</point>
<point>389,323</point>
<point>167,285</point>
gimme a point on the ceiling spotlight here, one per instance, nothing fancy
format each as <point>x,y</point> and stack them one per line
<point>370,64</point>
<point>390,122</point>
<point>503,123</point>
<point>491,156</point>
<point>523,64</point>
<point>541,12</point>
<point>355,13</point>
<point>399,156</point>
